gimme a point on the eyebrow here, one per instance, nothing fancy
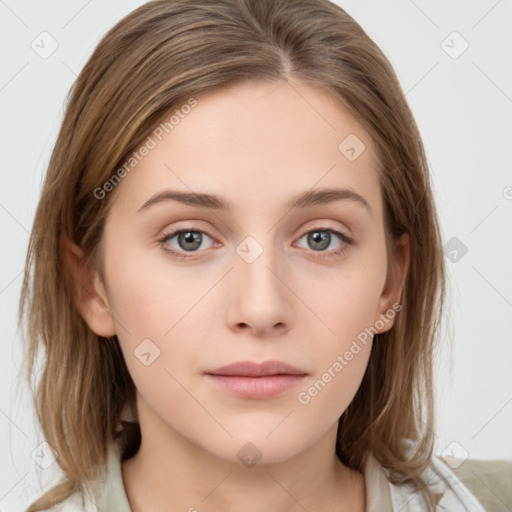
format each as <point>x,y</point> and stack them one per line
<point>307,198</point>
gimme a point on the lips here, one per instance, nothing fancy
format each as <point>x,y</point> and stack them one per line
<point>253,369</point>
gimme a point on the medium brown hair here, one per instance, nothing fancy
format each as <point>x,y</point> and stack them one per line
<point>156,58</point>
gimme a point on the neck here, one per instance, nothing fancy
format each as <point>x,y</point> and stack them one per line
<point>170,473</point>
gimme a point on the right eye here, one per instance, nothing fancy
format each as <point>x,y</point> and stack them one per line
<point>187,240</point>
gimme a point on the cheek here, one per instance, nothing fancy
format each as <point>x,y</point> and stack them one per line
<point>343,348</point>
<point>155,308</point>
<point>346,300</point>
<point>345,303</point>
<point>149,295</point>
<point>341,359</point>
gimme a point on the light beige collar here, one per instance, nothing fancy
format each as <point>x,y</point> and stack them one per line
<point>378,494</point>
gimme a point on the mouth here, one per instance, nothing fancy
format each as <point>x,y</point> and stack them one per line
<point>251,380</point>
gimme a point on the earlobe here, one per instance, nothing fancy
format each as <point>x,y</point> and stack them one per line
<point>395,281</point>
<point>87,290</point>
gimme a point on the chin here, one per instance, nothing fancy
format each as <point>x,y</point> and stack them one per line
<point>248,451</point>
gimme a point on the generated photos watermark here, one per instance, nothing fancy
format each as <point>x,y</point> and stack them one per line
<point>151,143</point>
<point>305,396</point>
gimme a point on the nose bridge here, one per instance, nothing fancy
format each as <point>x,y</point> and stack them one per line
<point>255,257</point>
<point>259,299</point>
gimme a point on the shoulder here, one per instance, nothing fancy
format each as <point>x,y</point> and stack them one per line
<point>447,489</point>
<point>106,494</point>
<point>74,503</point>
<point>490,481</point>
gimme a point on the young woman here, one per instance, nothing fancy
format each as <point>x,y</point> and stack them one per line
<point>235,272</point>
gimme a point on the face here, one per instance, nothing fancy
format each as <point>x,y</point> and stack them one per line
<point>249,275</point>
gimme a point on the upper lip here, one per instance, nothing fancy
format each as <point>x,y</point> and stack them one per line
<point>254,369</point>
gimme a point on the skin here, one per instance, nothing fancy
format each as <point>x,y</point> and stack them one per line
<point>257,144</point>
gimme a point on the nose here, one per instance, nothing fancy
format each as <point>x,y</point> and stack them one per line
<point>259,294</point>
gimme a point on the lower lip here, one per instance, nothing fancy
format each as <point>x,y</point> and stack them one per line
<point>257,387</point>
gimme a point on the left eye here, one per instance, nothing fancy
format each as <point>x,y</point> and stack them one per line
<point>320,239</point>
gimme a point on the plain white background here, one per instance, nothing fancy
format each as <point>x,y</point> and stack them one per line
<point>453,59</point>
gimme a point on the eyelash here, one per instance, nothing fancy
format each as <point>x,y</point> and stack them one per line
<point>346,242</point>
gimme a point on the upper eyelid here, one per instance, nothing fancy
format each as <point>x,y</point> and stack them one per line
<point>319,227</point>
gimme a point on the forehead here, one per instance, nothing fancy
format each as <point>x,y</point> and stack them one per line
<point>256,140</point>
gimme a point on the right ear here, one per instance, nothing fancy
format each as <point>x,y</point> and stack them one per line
<point>88,290</point>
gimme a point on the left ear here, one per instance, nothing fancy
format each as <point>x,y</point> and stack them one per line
<point>395,279</point>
